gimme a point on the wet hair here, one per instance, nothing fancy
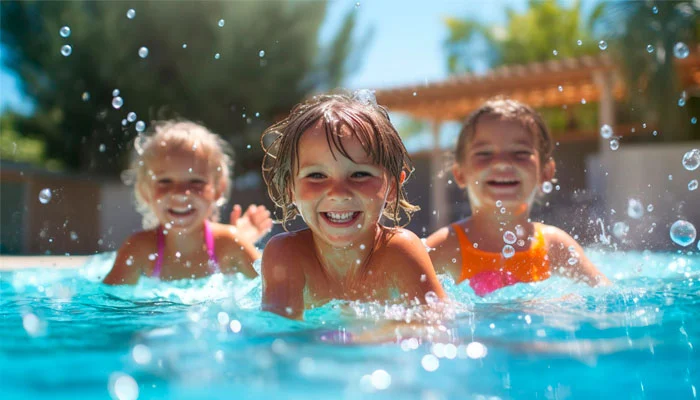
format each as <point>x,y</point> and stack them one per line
<point>507,110</point>
<point>341,115</point>
<point>179,135</point>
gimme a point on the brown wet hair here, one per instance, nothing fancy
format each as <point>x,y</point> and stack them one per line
<point>340,115</point>
<point>507,110</point>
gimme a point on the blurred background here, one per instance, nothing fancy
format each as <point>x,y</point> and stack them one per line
<point>617,82</point>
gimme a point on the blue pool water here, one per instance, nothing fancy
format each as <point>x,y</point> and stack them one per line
<point>66,336</point>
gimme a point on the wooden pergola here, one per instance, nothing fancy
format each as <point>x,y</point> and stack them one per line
<point>544,84</point>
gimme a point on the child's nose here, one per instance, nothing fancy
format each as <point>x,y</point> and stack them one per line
<point>338,191</point>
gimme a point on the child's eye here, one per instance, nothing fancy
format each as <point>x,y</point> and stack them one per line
<point>361,174</point>
<point>164,181</point>
<point>315,175</point>
<point>198,182</point>
<point>523,154</point>
<point>483,154</point>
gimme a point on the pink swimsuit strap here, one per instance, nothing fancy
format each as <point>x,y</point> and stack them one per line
<point>208,241</point>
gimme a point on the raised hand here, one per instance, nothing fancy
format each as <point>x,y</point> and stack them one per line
<point>254,224</point>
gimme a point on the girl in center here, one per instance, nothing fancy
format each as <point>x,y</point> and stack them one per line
<point>338,162</point>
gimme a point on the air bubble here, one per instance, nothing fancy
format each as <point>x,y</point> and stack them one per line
<point>650,48</point>
<point>85,96</point>
<point>217,56</point>
<point>614,144</point>
<point>620,230</point>
<point>602,45</point>
<point>143,52</point>
<point>683,233</point>
<point>693,185</point>
<point>140,126</point>
<point>261,53</point>
<point>131,13</point>
<point>64,31</point>
<point>635,208</point>
<point>66,50</point>
<point>131,117</point>
<point>221,23</point>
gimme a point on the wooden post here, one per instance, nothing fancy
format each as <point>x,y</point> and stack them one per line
<point>606,105</point>
<point>439,208</point>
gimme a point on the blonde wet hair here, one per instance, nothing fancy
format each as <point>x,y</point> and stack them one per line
<point>340,114</point>
<point>183,135</point>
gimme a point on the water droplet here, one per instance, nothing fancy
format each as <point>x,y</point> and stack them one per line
<point>123,387</point>
<point>64,31</point>
<point>357,5</point>
<point>650,48</point>
<point>614,144</point>
<point>125,122</point>
<point>560,88</point>
<point>235,326</point>
<point>102,147</point>
<point>691,160</point>
<point>131,117</point>
<point>572,260</point>
<point>554,52</point>
<point>141,354</point>
<point>66,50</point>
<point>509,237</point>
<point>693,185</point>
<point>547,187</point>
<point>606,131</point>
<point>650,208</point>
<point>635,208</point>
<point>221,23</point>
<point>73,236</point>
<point>503,210</point>
<point>430,363</point>
<point>131,13</point>
<point>365,96</point>
<point>602,45</point>
<point>85,96</point>
<point>44,195</point>
<point>680,50</point>
<point>117,102</point>
<point>431,297</point>
<point>508,251</point>
<point>476,350</point>
<point>683,233</point>
<point>681,102</point>
<point>261,54</point>
<point>143,52</point>
<point>655,10</point>
<point>184,45</point>
<point>499,203</point>
<point>380,379</point>
<point>217,56</point>
<point>694,120</point>
<point>620,229</point>
<point>140,126</point>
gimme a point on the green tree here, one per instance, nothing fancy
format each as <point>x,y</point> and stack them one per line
<point>545,31</point>
<point>235,77</point>
<point>642,37</point>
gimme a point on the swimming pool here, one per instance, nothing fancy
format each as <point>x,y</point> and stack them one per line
<point>66,336</point>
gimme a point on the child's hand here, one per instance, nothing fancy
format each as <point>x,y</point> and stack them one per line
<point>254,224</point>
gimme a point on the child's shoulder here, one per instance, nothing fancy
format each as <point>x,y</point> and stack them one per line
<point>286,243</point>
<point>445,236</point>
<point>399,246</point>
<point>554,236</point>
<point>141,242</point>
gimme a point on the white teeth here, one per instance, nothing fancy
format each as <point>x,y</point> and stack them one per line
<point>340,216</point>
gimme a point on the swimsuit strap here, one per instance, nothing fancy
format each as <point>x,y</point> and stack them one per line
<point>209,241</point>
<point>160,246</point>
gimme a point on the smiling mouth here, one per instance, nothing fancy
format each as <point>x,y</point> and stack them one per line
<point>181,212</point>
<point>341,217</point>
<point>503,182</point>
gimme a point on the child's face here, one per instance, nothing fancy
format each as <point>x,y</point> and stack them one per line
<point>183,190</point>
<point>502,163</point>
<point>341,201</point>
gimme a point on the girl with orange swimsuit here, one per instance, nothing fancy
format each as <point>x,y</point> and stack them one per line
<point>503,160</point>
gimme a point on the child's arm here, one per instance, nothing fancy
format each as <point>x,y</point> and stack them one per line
<point>129,263</point>
<point>563,247</point>
<point>238,255</point>
<point>254,224</point>
<point>414,272</point>
<point>445,248</point>
<point>282,278</point>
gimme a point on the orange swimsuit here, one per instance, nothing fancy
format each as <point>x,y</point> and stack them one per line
<point>491,271</point>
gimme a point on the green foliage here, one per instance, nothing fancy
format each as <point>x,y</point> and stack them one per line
<point>16,147</point>
<point>652,82</point>
<point>533,36</point>
<point>236,95</point>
